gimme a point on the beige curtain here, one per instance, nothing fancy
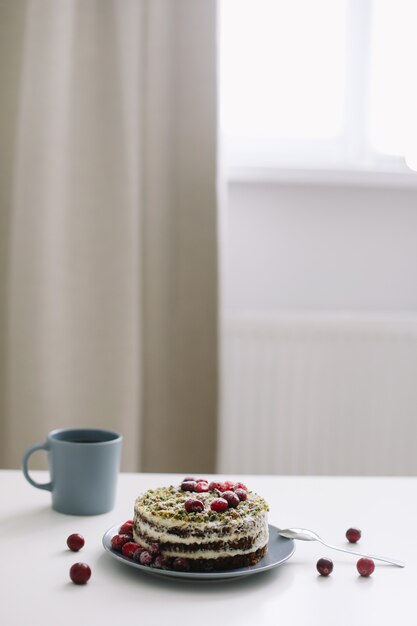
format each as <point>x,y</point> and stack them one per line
<point>108,260</point>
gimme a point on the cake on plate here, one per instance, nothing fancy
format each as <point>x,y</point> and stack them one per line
<point>200,526</point>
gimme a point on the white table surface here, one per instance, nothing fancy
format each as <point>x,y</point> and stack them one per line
<point>35,586</point>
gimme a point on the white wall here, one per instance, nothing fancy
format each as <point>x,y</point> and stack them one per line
<point>319,247</point>
<point>319,329</point>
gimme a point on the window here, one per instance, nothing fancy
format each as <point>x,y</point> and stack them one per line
<point>316,84</point>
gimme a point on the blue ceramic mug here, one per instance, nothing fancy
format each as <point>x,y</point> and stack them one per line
<point>84,465</point>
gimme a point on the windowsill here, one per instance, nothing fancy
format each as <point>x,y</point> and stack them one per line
<point>381,177</point>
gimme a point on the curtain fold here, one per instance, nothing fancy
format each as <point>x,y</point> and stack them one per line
<point>109,286</point>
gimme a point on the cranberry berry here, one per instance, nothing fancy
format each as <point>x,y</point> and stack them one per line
<point>145,558</point>
<point>202,486</point>
<point>240,486</point>
<point>129,548</point>
<point>126,528</point>
<point>162,562</point>
<point>324,567</point>
<point>215,485</point>
<point>193,506</point>
<point>75,542</point>
<point>154,549</point>
<point>241,494</point>
<point>365,567</point>
<point>353,535</point>
<point>80,573</point>
<point>137,553</point>
<point>188,485</point>
<point>232,498</point>
<point>219,505</point>
<point>118,541</point>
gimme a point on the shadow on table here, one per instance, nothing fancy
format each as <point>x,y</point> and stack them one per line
<point>281,578</point>
<point>41,515</point>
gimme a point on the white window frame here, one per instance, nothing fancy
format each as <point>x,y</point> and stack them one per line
<point>359,165</point>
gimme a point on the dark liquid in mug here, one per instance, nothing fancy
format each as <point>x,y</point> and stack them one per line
<point>82,440</point>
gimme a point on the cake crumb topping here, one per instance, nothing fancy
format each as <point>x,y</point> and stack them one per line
<point>168,503</point>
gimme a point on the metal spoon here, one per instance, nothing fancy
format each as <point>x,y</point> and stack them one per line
<point>308,535</point>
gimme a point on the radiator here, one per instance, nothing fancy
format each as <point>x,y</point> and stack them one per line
<point>318,394</point>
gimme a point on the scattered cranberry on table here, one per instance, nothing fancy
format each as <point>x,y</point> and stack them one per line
<point>75,542</point>
<point>365,567</point>
<point>353,535</point>
<point>324,566</point>
<point>80,573</point>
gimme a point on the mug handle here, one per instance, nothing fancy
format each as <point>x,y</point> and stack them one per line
<point>25,469</point>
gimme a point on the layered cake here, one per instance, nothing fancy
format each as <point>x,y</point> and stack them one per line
<point>201,526</point>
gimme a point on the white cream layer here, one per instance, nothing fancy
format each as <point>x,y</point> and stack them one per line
<point>262,540</point>
<point>261,533</point>
<point>250,528</point>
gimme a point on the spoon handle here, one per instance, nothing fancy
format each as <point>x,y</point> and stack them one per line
<point>369,556</point>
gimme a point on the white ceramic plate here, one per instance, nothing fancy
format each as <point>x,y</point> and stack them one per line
<point>279,551</point>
